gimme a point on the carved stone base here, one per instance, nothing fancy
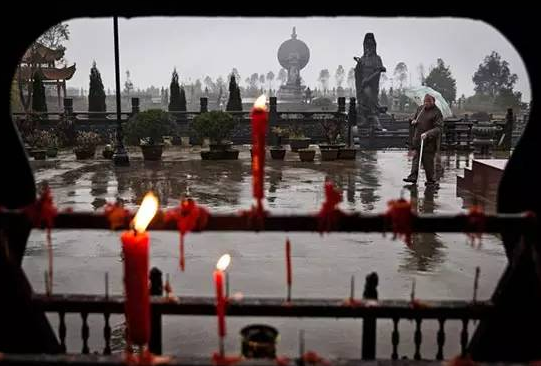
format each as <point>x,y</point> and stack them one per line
<point>290,93</point>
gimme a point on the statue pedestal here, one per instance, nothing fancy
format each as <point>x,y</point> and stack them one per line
<point>290,93</point>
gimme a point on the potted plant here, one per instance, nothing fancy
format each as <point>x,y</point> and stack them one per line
<point>108,152</point>
<point>147,129</point>
<point>329,150</point>
<point>307,154</point>
<point>347,153</point>
<point>27,127</point>
<point>217,127</point>
<point>297,139</point>
<point>66,131</point>
<point>278,152</point>
<point>52,144</point>
<point>86,143</point>
<point>45,145</point>
<point>40,143</point>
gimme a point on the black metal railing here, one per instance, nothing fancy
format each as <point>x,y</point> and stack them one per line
<point>117,360</point>
<point>368,310</point>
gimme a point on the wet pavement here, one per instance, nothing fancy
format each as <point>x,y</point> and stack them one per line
<point>443,264</point>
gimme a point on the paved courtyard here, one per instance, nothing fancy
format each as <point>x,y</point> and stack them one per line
<point>443,264</point>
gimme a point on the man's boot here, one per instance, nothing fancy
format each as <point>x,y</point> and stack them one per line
<point>410,179</point>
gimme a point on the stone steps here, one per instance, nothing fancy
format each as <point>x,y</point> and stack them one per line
<point>483,178</point>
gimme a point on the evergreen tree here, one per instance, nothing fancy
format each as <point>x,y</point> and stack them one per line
<point>441,80</point>
<point>351,78</point>
<point>175,103</point>
<point>339,76</point>
<point>219,100</point>
<point>96,92</point>
<point>383,98</point>
<point>39,103</point>
<point>234,103</point>
<point>270,78</point>
<point>401,73</point>
<point>494,80</point>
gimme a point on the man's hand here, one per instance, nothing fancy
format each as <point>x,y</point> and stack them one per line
<point>413,121</point>
<point>424,135</point>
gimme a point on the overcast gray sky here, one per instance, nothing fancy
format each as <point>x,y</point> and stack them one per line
<point>197,46</point>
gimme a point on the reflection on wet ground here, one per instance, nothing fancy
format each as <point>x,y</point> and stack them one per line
<point>443,264</point>
<point>291,185</point>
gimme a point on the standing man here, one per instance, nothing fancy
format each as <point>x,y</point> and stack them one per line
<point>427,123</point>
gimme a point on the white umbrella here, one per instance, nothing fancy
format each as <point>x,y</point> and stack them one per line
<point>418,93</point>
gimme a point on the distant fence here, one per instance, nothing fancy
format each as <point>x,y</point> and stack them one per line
<point>457,134</point>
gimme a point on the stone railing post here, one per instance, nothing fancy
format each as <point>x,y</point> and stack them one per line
<point>135,106</point>
<point>203,103</point>
<point>341,105</point>
<point>68,106</point>
<point>352,119</point>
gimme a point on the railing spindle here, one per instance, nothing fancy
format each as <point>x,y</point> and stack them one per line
<point>395,338</point>
<point>107,334</point>
<point>417,338</point>
<point>85,332</point>
<point>464,336</point>
<point>440,339</point>
<point>62,330</point>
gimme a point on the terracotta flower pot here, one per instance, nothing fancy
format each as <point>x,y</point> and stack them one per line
<point>39,154</point>
<point>152,152</point>
<point>176,140</point>
<point>307,154</point>
<point>297,144</point>
<point>331,146</point>
<point>220,155</point>
<point>107,153</point>
<point>85,152</point>
<point>329,154</point>
<point>221,147</point>
<point>347,153</point>
<point>28,149</point>
<point>278,153</point>
<point>52,152</point>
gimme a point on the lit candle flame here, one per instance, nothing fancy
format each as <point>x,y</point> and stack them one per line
<point>223,262</point>
<point>260,102</point>
<point>146,212</point>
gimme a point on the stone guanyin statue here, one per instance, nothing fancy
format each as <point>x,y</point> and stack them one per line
<point>367,74</point>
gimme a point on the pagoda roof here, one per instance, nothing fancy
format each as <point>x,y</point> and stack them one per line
<point>50,73</point>
<point>39,53</point>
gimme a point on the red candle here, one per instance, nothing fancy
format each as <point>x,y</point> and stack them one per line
<point>288,266</point>
<point>182,252</point>
<point>221,266</point>
<point>260,119</point>
<point>135,244</point>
